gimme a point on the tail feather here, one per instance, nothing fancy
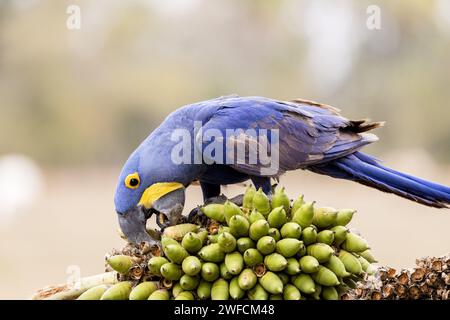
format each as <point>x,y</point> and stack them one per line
<point>366,170</point>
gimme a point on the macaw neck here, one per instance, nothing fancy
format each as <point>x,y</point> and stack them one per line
<point>159,157</point>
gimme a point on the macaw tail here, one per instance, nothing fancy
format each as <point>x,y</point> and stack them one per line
<point>366,170</point>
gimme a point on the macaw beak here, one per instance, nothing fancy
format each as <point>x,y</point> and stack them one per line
<point>166,199</point>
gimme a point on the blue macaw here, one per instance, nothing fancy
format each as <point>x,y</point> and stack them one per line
<point>311,136</point>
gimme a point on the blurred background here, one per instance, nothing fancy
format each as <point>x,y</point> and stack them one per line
<point>74,103</point>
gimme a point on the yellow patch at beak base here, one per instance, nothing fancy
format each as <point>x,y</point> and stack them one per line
<point>156,191</point>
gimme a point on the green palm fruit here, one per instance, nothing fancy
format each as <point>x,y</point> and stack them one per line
<point>94,293</point>
<point>355,243</point>
<point>337,266</point>
<point>261,202</point>
<point>119,291</point>
<point>143,290</point>
<point>325,277</point>
<point>120,263</point>
<point>244,243</point>
<point>326,236</point>
<point>185,295</point>
<point>309,235</point>
<point>189,282</point>
<point>213,238</point>
<point>275,233</point>
<point>171,271</point>
<point>203,235</point>
<point>252,257</point>
<point>239,226</point>
<point>350,283</point>
<point>247,201</point>
<point>192,242</point>
<point>340,234</point>
<point>344,216</point>
<point>277,217</point>
<point>254,216</point>
<point>284,277</point>
<point>155,263</point>
<point>210,271</point>
<point>167,240</point>
<point>230,209</point>
<point>224,272</point>
<point>367,254</point>
<point>275,262</point>
<point>214,211</point>
<point>293,267</point>
<point>304,215</point>
<point>364,263</point>
<point>309,264</point>
<point>161,294</point>
<point>324,217</point>
<point>317,292</point>
<point>234,262</point>
<point>271,283</point>
<point>266,245</point>
<point>291,230</point>
<point>258,229</point>
<point>297,204</point>
<point>176,289</point>
<point>288,247</point>
<point>204,289</point>
<point>175,252</point>
<point>258,293</point>
<point>223,229</point>
<point>304,283</point>
<point>236,292</point>
<point>220,290</point>
<point>275,297</point>
<point>330,293</point>
<point>226,242</point>
<point>302,251</point>
<point>290,292</point>
<point>191,266</point>
<point>212,253</point>
<point>321,251</point>
<point>280,198</point>
<point>247,279</point>
<point>178,231</point>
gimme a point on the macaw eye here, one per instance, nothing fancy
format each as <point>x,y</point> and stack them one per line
<point>132,181</point>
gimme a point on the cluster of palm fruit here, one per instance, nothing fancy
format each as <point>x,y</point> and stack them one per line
<point>266,249</point>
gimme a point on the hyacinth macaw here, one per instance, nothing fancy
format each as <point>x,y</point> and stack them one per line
<point>312,136</point>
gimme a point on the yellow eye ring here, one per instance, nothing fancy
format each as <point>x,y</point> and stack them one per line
<point>132,181</point>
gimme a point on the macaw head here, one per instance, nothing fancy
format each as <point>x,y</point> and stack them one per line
<point>139,194</point>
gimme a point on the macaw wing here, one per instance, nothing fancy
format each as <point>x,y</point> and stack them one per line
<point>268,137</point>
